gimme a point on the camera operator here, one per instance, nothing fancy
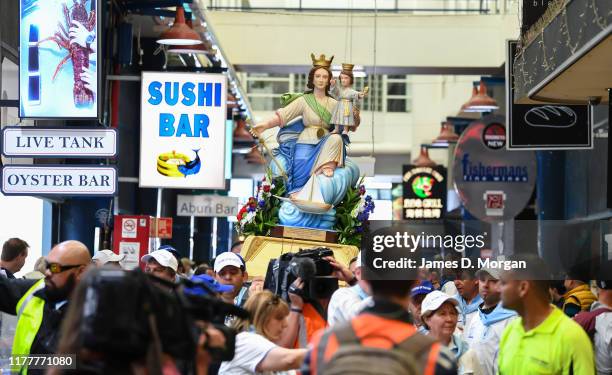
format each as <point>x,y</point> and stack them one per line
<point>256,343</point>
<point>154,331</point>
<point>308,315</point>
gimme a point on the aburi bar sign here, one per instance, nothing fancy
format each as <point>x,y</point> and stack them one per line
<point>59,180</point>
<point>19,141</point>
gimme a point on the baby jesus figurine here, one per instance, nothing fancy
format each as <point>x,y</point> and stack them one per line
<point>348,100</point>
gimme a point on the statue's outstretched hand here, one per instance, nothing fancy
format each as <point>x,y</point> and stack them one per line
<point>257,130</point>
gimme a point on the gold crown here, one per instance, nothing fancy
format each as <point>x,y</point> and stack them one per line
<point>321,62</point>
<point>348,67</point>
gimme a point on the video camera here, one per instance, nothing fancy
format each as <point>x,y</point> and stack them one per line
<point>122,309</point>
<point>307,264</point>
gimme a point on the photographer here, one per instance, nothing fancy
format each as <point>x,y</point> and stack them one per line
<point>158,328</point>
<point>256,343</point>
<point>310,295</point>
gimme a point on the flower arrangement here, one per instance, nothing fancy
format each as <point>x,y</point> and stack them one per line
<point>260,214</point>
<point>352,215</point>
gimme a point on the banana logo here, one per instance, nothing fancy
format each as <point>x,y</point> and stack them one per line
<point>173,164</point>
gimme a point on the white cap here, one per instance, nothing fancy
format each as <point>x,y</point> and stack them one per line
<point>434,300</point>
<point>105,256</point>
<point>495,273</point>
<point>228,259</point>
<point>163,257</point>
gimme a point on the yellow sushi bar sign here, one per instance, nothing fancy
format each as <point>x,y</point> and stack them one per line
<point>182,130</point>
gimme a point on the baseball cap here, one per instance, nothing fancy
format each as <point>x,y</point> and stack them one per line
<point>105,256</point>
<point>228,259</point>
<point>424,287</point>
<point>163,257</point>
<point>204,284</point>
<point>493,272</point>
<point>434,300</point>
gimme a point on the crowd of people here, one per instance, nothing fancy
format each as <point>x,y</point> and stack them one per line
<point>487,321</point>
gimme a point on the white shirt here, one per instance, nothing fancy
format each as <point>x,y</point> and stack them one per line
<point>603,343</point>
<point>251,349</point>
<point>344,305</point>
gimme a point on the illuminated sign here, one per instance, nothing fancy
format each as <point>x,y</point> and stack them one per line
<point>424,192</point>
<point>183,130</point>
<point>58,69</point>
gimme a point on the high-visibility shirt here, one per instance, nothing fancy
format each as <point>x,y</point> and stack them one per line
<point>310,322</point>
<point>557,346</point>
<point>30,310</point>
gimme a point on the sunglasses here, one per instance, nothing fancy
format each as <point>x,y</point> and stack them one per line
<point>58,268</point>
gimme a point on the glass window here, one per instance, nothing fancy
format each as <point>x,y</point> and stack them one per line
<point>272,87</point>
<point>396,105</point>
<point>259,103</point>
<point>396,88</point>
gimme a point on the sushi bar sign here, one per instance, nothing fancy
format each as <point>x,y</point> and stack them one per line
<point>182,132</point>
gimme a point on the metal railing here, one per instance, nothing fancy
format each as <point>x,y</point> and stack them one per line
<point>389,6</point>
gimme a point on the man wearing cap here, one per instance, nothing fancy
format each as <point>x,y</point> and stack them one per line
<point>417,294</point>
<point>484,331</point>
<point>162,264</point>
<point>578,296</point>
<point>468,297</point>
<point>598,321</point>
<point>230,269</point>
<point>347,302</point>
<point>107,257</point>
<point>543,340</point>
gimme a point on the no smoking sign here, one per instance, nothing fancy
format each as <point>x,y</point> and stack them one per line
<point>128,228</point>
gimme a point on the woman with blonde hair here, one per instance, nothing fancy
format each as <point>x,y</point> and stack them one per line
<point>256,348</point>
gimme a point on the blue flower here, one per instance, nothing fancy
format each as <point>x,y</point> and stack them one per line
<point>368,198</point>
<point>359,229</point>
<point>262,203</point>
<point>251,209</point>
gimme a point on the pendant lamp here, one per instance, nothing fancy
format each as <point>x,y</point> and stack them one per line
<point>480,100</point>
<point>203,48</point>
<point>447,134</point>
<point>241,133</point>
<point>179,34</point>
<point>423,159</point>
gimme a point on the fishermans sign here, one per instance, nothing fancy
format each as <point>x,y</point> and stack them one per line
<point>182,131</point>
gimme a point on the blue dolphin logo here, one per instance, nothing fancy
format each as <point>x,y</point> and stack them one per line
<point>192,167</point>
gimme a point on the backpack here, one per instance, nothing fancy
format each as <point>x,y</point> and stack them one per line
<point>405,358</point>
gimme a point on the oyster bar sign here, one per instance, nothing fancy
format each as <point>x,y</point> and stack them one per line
<point>59,180</point>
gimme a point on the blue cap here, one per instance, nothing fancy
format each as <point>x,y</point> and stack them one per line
<point>207,283</point>
<point>424,287</point>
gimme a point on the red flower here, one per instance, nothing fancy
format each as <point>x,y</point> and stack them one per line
<point>239,216</point>
<point>266,188</point>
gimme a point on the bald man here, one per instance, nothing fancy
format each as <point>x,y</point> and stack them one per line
<point>40,304</point>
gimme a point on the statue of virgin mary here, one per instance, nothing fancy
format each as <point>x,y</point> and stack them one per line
<point>313,159</point>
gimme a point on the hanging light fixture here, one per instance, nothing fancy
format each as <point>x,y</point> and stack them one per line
<point>480,100</point>
<point>179,34</point>
<point>447,134</point>
<point>202,48</point>
<point>423,159</point>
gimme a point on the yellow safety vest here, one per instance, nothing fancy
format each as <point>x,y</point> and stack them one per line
<point>29,314</point>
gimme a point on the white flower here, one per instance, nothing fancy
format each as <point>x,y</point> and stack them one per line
<point>250,216</point>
